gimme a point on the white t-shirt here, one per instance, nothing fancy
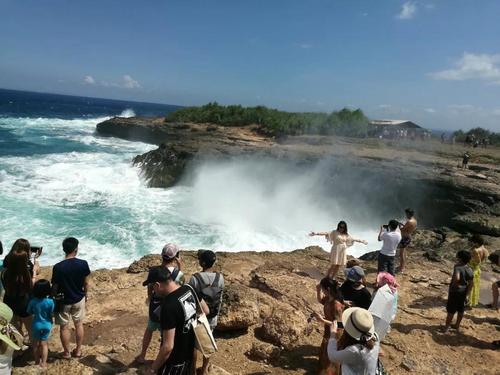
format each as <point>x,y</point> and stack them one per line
<point>391,242</point>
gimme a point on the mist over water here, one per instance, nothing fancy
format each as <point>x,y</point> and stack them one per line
<point>263,204</point>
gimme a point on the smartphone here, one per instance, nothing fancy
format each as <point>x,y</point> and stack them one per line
<point>36,251</point>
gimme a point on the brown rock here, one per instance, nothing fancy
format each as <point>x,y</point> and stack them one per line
<point>284,327</point>
<point>144,264</point>
<point>239,309</point>
<point>261,351</point>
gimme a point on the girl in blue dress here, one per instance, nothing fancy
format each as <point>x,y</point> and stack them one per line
<point>41,307</point>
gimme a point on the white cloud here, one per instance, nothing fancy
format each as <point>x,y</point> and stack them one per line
<point>430,110</point>
<point>89,80</point>
<point>408,11</point>
<point>130,83</point>
<point>305,45</point>
<point>384,106</point>
<point>471,66</point>
<point>463,109</point>
<point>496,112</point>
<point>127,82</point>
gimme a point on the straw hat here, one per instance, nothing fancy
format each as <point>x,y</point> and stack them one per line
<point>8,333</point>
<point>358,322</point>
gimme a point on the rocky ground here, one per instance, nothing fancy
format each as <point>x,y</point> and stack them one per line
<point>263,328</point>
<point>269,296</point>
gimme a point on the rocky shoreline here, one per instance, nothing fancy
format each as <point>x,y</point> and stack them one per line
<point>263,328</point>
<point>467,201</point>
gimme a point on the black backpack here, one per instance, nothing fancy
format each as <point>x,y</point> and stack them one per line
<point>211,294</point>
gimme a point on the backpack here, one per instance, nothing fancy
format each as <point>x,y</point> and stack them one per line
<point>211,294</point>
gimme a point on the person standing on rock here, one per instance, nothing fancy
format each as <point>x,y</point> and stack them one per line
<point>391,237</point>
<point>479,255</point>
<point>210,286</point>
<point>460,287</point>
<point>340,240</point>
<point>407,230</point>
<point>71,278</point>
<point>177,314</point>
<point>170,260</point>
<point>465,160</point>
<point>328,294</point>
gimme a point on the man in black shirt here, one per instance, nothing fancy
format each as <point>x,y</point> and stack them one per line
<point>178,312</point>
<point>353,289</point>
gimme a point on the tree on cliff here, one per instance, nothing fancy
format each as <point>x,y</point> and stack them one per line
<point>479,134</point>
<point>346,122</point>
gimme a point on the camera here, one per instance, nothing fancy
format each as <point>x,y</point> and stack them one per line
<point>386,226</point>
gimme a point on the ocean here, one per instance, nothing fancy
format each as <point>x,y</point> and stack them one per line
<point>58,178</point>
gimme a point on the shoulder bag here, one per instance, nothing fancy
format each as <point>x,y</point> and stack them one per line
<point>205,341</point>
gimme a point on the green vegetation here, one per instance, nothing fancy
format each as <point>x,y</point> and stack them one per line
<point>346,122</point>
<point>479,134</point>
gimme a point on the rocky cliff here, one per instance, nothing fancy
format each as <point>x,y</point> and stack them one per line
<point>467,201</point>
<point>263,328</point>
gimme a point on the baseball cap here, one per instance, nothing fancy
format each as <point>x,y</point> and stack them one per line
<point>354,274</point>
<point>157,274</point>
<point>207,257</point>
<point>169,251</point>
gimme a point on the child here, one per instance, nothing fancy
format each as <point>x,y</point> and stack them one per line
<point>460,286</point>
<point>42,308</point>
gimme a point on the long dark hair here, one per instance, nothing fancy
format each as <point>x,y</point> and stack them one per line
<point>332,287</point>
<point>342,223</point>
<point>17,278</point>
<point>21,245</point>
<point>347,340</point>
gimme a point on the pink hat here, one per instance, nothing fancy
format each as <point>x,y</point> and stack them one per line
<point>386,278</point>
<point>169,251</point>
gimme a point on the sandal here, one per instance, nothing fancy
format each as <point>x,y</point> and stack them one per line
<point>64,355</point>
<point>74,354</point>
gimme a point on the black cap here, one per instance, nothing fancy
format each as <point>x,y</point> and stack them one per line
<point>157,274</point>
<point>207,257</point>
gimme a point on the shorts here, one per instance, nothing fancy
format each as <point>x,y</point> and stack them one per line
<point>41,331</point>
<point>75,312</point>
<point>153,326</point>
<point>177,369</point>
<point>405,241</point>
<point>456,302</point>
<point>385,263</point>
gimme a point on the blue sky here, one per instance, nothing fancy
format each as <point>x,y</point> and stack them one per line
<point>435,62</point>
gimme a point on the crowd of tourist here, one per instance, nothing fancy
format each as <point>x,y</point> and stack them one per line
<point>355,319</point>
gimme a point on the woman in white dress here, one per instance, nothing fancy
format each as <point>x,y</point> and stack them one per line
<point>340,240</point>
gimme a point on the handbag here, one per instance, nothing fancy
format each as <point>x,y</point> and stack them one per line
<point>204,337</point>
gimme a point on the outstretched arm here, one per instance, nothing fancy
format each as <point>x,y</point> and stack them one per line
<point>364,242</point>
<point>319,234</point>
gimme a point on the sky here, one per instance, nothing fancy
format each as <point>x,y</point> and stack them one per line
<point>434,62</point>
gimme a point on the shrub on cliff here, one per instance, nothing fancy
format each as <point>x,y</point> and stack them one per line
<point>479,134</point>
<point>346,122</point>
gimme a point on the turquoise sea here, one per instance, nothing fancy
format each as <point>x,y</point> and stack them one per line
<point>58,179</point>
